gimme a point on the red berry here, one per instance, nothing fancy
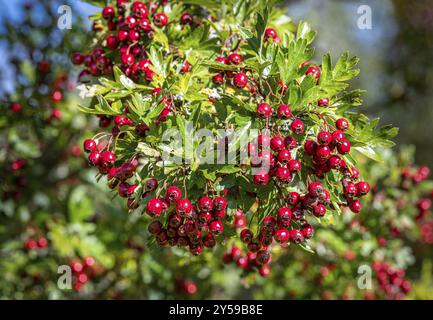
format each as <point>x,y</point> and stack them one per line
<point>355,206</point>
<point>277,143</point>
<point>310,147</point>
<point>283,174</point>
<point>294,166</point>
<point>284,112</point>
<point>263,257</point>
<point>334,162</point>
<point>218,79</point>
<point>282,236</point>
<point>186,18</point>
<point>264,110</point>
<point>344,147</point>
<point>324,137</point>
<point>323,152</point>
<point>315,189</point>
<point>77,58</point>
<point>290,142</point>
<point>108,12</point>
<point>307,231</point>
<point>271,33</point>
<point>246,236</point>
<point>107,159</point>
<point>173,194</point>
<point>350,190</point>
<point>261,178</point>
<point>216,227</point>
<point>42,242</point>
<point>284,156</point>
<point>363,188</point>
<point>234,58</point>
<point>342,124</point>
<point>323,102</point>
<point>89,145</point>
<point>296,236</point>
<point>205,204</point>
<point>240,80</point>
<point>264,271</point>
<point>337,137</point>
<point>183,207</point>
<point>284,216</point>
<point>319,210</point>
<point>94,158</point>
<point>219,203</point>
<point>313,71</point>
<point>154,207</point>
<point>160,20</point>
<point>127,59</point>
<point>293,198</point>
<point>297,126</point>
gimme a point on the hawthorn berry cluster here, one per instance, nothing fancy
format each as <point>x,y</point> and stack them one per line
<point>250,261</point>
<point>36,243</point>
<point>127,24</point>
<point>83,271</point>
<point>197,227</point>
<point>392,281</point>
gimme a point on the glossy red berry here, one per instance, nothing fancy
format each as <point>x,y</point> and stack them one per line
<point>108,12</point>
<point>323,102</point>
<point>294,166</point>
<point>296,236</point>
<point>284,156</point>
<point>307,231</point>
<point>160,20</point>
<point>216,227</point>
<point>344,146</point>
<point>310,147</point>
<point>283,174</point>
<point>363,188</point>
<point>313,71</point>
<point>94,158</point>
<point>293,198</point>
<point>154,207</point>
<point>284,111</point>
<point>127,59</point>
<point>277,144</point>
<point>220,203</point>
<point>297,126</point>
<point>186,18</point>
<point>77,58</point>
<point>261,178</point>
<point>271,33</point>
<point>355,206</point>
<point>263,257</point>
<point>264,110</point>
<point>315,189</point>
<point>290,142</point>
<point>319,210</point>
<point>246,236</point>
<point>323,152</point>
<point>334,162</point>
<point>324,137</point>
<point>89,145</point>
<point>282,236</point>
<point>342,124</point>
<point>240,80</point>
<point>350,190</point>
<point>234,58</point>
<point>284,216</point>
<point>107,159</point>
<point>173,194</point>
<point>183,207</point>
